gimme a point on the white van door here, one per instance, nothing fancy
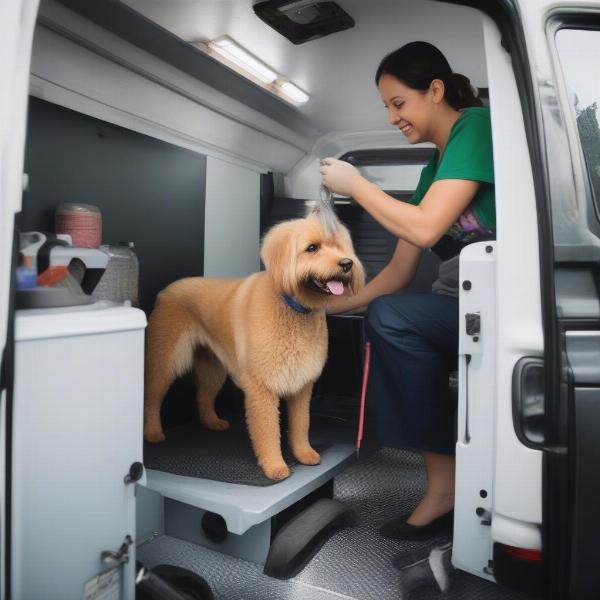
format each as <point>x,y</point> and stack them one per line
<point>554,415</point>
<point>17,19</point>
<point>498,509</point>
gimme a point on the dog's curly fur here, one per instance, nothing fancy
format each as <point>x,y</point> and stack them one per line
<point>244,327</point>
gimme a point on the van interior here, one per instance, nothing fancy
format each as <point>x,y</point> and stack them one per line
<point>133,110</point>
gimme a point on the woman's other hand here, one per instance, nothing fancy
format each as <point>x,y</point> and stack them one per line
<point>339,177</point>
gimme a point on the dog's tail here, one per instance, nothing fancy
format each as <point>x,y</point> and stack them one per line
<point>325,212</point>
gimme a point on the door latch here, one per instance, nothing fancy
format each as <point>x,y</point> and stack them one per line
<point>119,557</point>
<point>484,515</point>
<point>473,321</point>
<point>136,470</point>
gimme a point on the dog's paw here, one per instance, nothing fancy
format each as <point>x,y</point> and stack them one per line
<point>217,424</point>
<point>307,456</point>
<point>276,471</point>
<point>154,435</point>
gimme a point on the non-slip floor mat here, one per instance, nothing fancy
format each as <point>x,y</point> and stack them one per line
<point>194,451</point>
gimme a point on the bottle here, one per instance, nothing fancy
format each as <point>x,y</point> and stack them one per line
<point>120,281</point>
<point>26,275</point>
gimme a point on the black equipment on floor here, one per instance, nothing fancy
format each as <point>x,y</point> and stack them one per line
<point>167,582</point>
<point>299,539</point>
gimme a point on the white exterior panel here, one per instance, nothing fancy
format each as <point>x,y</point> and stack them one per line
<point>518,469</point>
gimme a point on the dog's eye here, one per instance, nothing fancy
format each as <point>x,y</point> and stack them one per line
<point>312,248</point>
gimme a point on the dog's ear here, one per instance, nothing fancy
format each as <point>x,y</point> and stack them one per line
<point>279,253</point>
<point>358,271</point>
<point>358,277</point>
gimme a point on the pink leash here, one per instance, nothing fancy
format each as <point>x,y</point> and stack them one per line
<point>363,396</point>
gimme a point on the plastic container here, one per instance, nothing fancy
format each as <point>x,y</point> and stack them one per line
<point>83,222</point>
<point>120,282</point>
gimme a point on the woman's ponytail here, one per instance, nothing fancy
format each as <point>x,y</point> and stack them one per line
<point>460,93</point>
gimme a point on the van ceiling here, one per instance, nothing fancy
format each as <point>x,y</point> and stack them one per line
<point>337,71</point>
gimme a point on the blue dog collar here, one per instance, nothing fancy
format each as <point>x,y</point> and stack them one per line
<point>294,304</point>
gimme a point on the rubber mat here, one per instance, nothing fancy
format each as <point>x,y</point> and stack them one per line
<point>194,451</point>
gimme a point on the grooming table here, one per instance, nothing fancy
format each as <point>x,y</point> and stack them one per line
<point>250,512</point>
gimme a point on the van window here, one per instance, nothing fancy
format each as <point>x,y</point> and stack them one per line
<point>396,171</point>
<point>579,57</point>
<point>393,177</point>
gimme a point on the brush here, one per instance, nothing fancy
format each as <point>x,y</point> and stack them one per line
<point>325,211</point>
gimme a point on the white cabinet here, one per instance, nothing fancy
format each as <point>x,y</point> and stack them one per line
<point>77,429</point>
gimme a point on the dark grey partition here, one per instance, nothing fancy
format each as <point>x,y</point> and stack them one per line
<point>150,192</point>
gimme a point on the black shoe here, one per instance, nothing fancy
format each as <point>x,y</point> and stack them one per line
<point>399,529</point>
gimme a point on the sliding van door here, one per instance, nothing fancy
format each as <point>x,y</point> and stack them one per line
<point>17,19</point>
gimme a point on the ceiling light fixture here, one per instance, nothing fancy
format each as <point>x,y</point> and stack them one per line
<point>232,55</point>
<point>232,52</point>
<point>293,92</point>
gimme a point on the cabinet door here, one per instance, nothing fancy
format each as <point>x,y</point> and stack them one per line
<point>77,429</point>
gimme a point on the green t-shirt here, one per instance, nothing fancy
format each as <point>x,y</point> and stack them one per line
<point>468,155</point>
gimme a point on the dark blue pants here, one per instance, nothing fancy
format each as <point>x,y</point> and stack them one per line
<point>414,347</point>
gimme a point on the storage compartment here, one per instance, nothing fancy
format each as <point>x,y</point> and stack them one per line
<point>77,430</point>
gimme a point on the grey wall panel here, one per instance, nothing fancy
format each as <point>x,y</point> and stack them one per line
<point>231,243</point>
<point>149,514</point>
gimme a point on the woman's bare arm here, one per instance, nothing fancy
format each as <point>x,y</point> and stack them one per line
<point>394,277</point>
<point>421,225</point>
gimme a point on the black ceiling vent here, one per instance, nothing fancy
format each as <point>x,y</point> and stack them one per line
<point>303,20</point>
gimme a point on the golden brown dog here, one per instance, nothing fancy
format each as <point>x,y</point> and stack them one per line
<point>268,331</point>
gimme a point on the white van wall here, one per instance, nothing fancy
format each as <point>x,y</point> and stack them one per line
<point>83,67</point>
<point>232,220</point>
<point>17,18</point>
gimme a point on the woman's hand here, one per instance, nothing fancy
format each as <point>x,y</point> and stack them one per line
<point>338,304</point>
<point>339,176</point>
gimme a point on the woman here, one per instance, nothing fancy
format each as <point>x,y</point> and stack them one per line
<point>414,337</point>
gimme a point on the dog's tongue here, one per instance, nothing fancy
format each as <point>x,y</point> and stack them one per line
<point>335,287</point>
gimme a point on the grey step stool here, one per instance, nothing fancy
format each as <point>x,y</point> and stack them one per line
<point>248,514</point>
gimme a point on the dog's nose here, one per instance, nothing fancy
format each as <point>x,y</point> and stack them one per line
<point>346,264</point>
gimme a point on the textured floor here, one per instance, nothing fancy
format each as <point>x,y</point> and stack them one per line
<point>355,563</point>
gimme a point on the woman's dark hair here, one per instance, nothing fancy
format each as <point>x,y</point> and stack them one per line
<point>417,64</point>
